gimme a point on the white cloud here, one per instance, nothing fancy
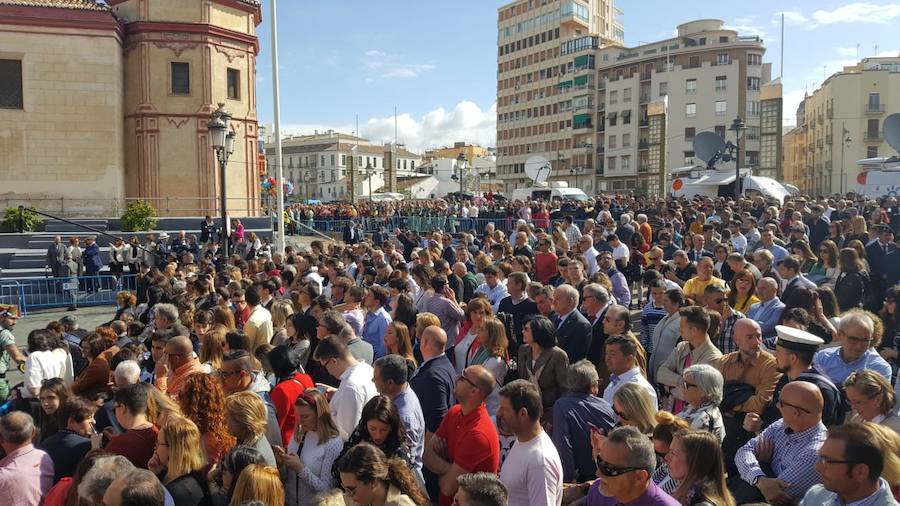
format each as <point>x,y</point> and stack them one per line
<point>439,127</point>
<point>856,12</point>
<point>747,26</point>
<point>378,64</point>
<point>847,51</point>
<point>791,100</point>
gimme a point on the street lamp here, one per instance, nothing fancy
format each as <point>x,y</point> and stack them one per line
<point>845,141</point>
<point>737,126</point>
<point>369,172</point>
<point>221,138</point>
<point>460,167</point>
<point>575,171</point>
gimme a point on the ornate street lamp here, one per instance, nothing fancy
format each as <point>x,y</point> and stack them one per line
<point>738,127</point>
<point>221,138</point>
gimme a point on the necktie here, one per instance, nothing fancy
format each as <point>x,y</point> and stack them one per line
<point>613,378</point>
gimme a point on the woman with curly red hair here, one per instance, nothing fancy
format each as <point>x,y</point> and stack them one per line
<point>203,401</point>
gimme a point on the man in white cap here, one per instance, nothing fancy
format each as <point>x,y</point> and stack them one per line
<point>794,351</point>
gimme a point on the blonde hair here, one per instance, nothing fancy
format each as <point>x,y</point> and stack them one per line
<point>213,349</point>
<point>858,225</point>
<point>889,441</point>
<point>425,320</point>
<point>637,406</point>
<point>160,407</point>
<point>496,337</point>
<point>330,498</point>
<point>183,438</point>
<point>281,311</point>
<point>258,483</point>
<point>247,410</point>
<point>326,428</point>
<point>871,384</point>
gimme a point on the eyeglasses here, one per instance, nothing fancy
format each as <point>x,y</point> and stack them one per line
<point>860,340</point>
<point>782,404</point>
<point>821,459</point>
<point>687,385</point>
<point>467,380</point>
<point>228,374</point>
<point>612,471</point>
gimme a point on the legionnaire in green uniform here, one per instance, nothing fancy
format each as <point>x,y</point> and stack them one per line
<point>8,350</point>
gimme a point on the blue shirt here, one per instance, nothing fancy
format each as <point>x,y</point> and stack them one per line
<point>820,496</point>
<point>793,459</point>
<point>413,421</point>
<point>830,362</point>
<point>373,330</point>
<point>573,417</point>
<point>766,314</point>
<point>778,252</point>
<point>495,295</point>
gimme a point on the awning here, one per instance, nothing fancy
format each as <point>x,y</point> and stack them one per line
<point>582,60</point>
<point>581,118</point>
<point>626,113</point>
<point>565,84</point>
<point>612,115</point>
<point>581,80</point>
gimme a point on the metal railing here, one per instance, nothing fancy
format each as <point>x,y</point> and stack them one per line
<point>36,293</point>
<point>68,207</point>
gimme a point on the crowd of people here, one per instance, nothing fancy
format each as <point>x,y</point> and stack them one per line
<point>619,351</point>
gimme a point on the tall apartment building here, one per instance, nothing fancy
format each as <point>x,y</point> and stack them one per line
<point>707,76</point>
<point>593,125</point>
<point>843,120</point>
<point>541,45</point>
<point>794,156</point>
<point>320,165</point>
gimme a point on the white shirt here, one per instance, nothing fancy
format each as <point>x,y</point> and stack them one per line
<point>315,478</point>
<point>354,392</point>
<point>590,256</point>
<point>473,212</point>
<point>533,473</point>
<point>620,251</point>
<point>631,376</point>
<point>461,351</point>
<point>739,242</point>
<point>573,234</point>
<point>43,365</point>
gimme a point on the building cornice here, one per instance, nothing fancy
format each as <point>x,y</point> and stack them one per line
<point>148,27</point>
<point>251,6</point>
<point>51,17</point>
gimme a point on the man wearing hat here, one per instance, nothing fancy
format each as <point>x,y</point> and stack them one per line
<point>163,249</point>
<point>8,349</point>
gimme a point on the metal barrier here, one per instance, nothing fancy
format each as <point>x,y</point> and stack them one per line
<point>46,293</point>
<point>447,223</point>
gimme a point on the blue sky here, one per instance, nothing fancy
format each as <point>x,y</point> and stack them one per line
<point>436,61</point>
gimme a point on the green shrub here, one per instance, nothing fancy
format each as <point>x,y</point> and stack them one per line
<point>140,215</point>
<point>25,221</point>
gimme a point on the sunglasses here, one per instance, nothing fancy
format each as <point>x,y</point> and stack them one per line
<point>612,471</point>
<point>782,404</point>
<point>467,380</point>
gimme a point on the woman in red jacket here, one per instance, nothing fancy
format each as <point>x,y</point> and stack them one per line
<point>291,382</point>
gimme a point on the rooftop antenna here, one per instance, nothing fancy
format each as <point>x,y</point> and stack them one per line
<point>782,47</point>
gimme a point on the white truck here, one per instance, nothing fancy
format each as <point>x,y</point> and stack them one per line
<point>690,181</point>
<point>878,177</point>
<point>552,190</point>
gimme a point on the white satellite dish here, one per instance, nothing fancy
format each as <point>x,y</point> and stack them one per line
<point>708,146</point>
<point>892,130</point>
<point>538,169</point>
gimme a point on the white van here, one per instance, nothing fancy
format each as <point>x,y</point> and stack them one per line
<point>690,181</point>
<point>556,190</point>
<point>878,177</point>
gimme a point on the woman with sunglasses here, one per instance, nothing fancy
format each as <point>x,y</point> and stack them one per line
<point>369,477</point>
<point>696,463</point>
<point>743,291</point>
<point>825,271</point>
<point>703,387</point>
<point>312,450</point>
<point>667,425</point>
<point>634,407</point>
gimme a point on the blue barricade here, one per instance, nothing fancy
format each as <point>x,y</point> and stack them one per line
<point>446,223</point>
<point>45,293</point>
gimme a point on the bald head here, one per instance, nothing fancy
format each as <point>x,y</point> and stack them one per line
<point>482,378</point>
<point>16,430</point>
<point>748,336</point>
<point>434,340</point>
<point>179,351</point>
<point>766,289</point>
<point>460,269</point>
<point>805,395</point>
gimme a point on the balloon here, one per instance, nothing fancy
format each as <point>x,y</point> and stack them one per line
<point>288,187</point>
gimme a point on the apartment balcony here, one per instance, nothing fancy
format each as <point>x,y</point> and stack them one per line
<point>644,122</point>
<point>582,107</point>
<point>601,150</point>
<point>643,168</point>
<point>582,87</point>
<point>644,99</point>
<point>829,139</point>
<point>874,108</point>
<point>602,126</point>
<point>602,84</point>
<point>579,127</point>
<point>829,113</point>
<point>874,136</point>
<point>645,76</point>
<point>598,171</point>
<point>585,68</point>
<point>601,107</point>
<point>819,143</point>
<point>586,147</point>
<point>643,145</point>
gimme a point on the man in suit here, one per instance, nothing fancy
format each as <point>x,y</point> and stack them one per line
<point>791,277</point>
<point>877,254</point>
<point>595,304</point>
<point>768,310</point>
<point>698,252</point>
<point>349,233</point>
<point>573,331</point>
<point>92,261</point>
<point>433,384</point>
<point>56,257</point>
<point>207,230</point>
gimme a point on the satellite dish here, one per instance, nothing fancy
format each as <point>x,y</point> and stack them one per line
<point>708,146</point>
<point>892,130</point>
<point>538,169</point>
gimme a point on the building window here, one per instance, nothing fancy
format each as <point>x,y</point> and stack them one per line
<point>611,142</point>
<point>723,40</point>
<point>322,160</point>
<point>690,86</point>
<point>871,151</point>
<point>721,83</point>
<point>689,133</point>
<point>234,84</point>
<point>181,78</point>
<point>613,97</point>
<point>11,84</point>
<point>721,108</point>
<point>723,59</point>
<point>663,89</point>
<point>688,157</point>
<point>754,59</point>
<point>626,162</point>
<point>874,104</point>
<point>752,108</point>
<point>720,129</point>
<point>753,83</point>
<point>626,95</point>
<point>626,141</point>
<point>343,159</point>
<point>690,110</point>
<point>872,129</point>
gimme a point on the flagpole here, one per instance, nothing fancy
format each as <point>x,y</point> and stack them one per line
<point>279,166</point>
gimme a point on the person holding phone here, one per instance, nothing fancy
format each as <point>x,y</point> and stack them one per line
<point>70,444</point>
<point>311,451</point>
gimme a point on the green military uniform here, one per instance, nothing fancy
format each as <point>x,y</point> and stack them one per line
<point>6,338</point>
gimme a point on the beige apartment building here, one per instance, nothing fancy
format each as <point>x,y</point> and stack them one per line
<point>322,165</point>
<point>470,151</point>
<point>794,156</point>
<point>842,121</point>
<point>538,44</point>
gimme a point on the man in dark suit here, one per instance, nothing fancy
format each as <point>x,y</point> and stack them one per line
<point>56,257</point>
<point>698,252</point>
<point>877,254</point>
<point>207,230</point>
<point>595,304</point>
<point>433,384</point>
<point>573,331</point>
<point>349,233</point>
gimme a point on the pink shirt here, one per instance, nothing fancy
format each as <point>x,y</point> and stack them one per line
<point>26,475</point>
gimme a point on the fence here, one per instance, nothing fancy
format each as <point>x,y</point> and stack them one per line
<point>67,207</point>
<point>36,293</point>
<point>451,224</point>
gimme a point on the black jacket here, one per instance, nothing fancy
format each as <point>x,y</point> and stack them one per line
<point>574,336</point>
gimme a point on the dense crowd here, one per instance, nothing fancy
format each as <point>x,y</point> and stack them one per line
<point>619,351</point>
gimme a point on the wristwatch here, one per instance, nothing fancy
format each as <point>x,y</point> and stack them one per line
<point>755,480</point>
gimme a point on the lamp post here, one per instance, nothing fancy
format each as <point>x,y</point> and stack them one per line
<point>845,141</point>
<point>369,172</point>
<point>460,167</point>
<point>737,126</point>
<point>221,138</point>
<point>575,171</point>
